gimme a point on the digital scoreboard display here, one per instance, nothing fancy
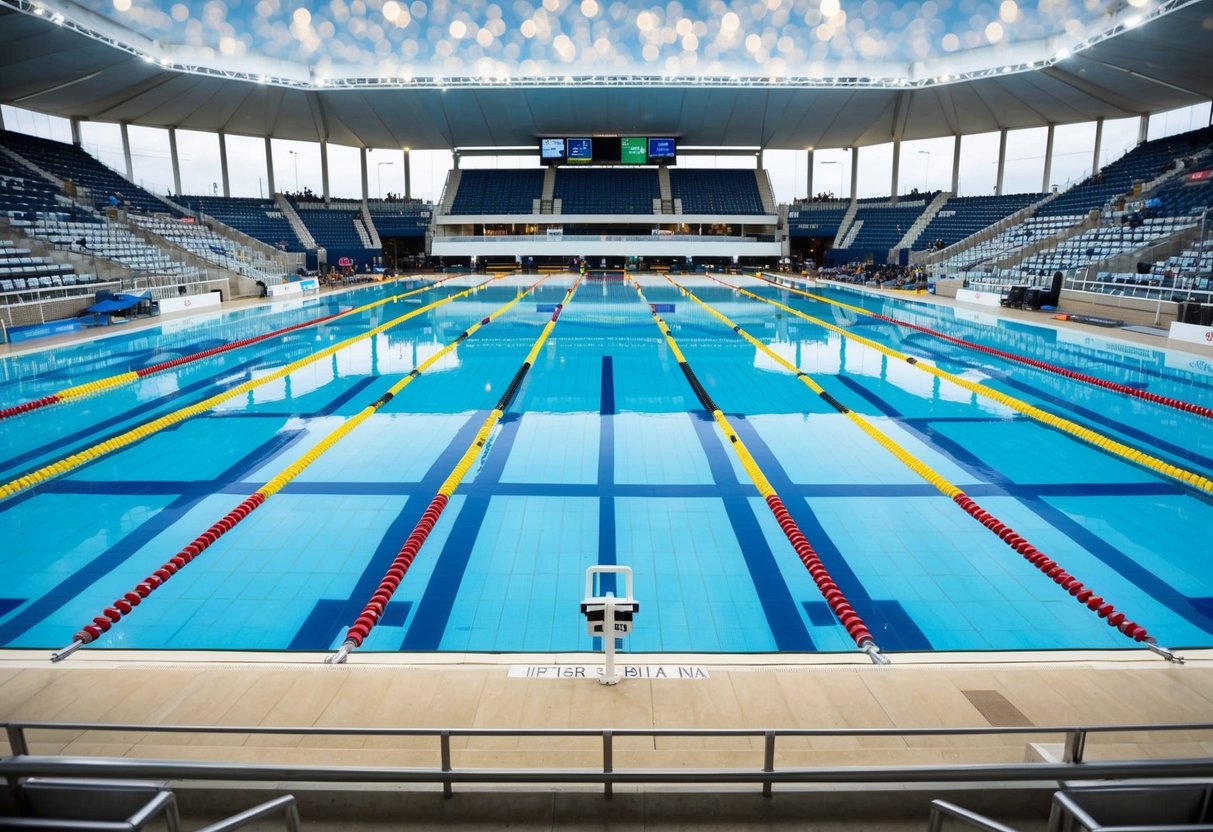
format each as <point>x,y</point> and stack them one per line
<point>661,149</point>
<point>607,150</point>
<point>633,151</point>
<point>580,150</point>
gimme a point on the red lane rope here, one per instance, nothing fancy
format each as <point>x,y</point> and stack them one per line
<point>113,614</point>
<point>1054,570</point>
<point>1165,401</point>
<point>55,398</point>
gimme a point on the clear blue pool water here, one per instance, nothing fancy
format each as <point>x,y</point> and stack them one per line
<point>606,457</point>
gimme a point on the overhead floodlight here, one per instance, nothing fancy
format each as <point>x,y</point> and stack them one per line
<point>149,59</point>
<point>1132,22</point>
<point>1062,55</point>
<point>262,79</point>
<point>57,19</point>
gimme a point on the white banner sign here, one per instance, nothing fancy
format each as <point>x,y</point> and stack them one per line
<point>593,671</point>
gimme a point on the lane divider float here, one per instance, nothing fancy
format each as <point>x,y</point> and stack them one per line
<point>357,632</point>
<point>123,606</point>
<point>70,463</point>
<point>1115,386</point>
<point>113,382</point>
<point>834,597</point>
<point>1192,479</point>
<point>1030,553</point>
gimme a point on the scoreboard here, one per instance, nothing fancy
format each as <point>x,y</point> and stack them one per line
<point>608,150</point>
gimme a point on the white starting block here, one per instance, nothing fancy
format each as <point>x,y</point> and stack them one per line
<point>608,616</point>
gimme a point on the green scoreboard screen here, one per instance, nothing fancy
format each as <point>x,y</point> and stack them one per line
<point>633,150</point>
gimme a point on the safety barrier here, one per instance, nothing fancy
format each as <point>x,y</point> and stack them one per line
<point>1030,553</point>
<point>371,613</point>
<point>113,382</point>
<point>1199,482</point>
<point>114,443</point>
<point>1165,401</point>
<point>765,770</point>
<point>124,605</point>
<point>834,597</point>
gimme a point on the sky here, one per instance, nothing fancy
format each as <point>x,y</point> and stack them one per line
<point>925,165</point>
<point>487,38</point>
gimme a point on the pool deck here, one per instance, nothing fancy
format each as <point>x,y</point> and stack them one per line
<point>478,691</point>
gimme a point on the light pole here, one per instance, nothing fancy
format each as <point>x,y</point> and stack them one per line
<point>836,162</point>
<point>379,176</point>
<point>926,176</point>
<point>295,154</point>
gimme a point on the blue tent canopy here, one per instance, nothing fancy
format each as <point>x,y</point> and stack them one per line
<point>118,303</point>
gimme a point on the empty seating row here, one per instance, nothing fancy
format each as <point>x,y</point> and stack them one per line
<point>961,217</point>
<point>259,218</point>
<point>883,225</point>
<point>709,191</point>
<point>1010,241</point>
<point>204,243</point>
<point>71,163</point>
<point>1101,243</point>
<point>498,191</point>
<point>1144,163</point>
<point>606,191</point>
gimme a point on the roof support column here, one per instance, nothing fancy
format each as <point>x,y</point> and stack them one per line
<point>75,123</point>
<point>175,159</point>
<point>1143,128</point>
<point>362,158</point>
<point>126,152</point>
<point>324,169</point>
<point>269,166</point>
<point>1098,142</point>
<point>1048,174</point>
<point>1002,161</point>
<point>408,176</point>
<point>227,183</point>
<point>854,173</point>
<point>956,166</point>
<point>808,179</point>
<point>896,169</point>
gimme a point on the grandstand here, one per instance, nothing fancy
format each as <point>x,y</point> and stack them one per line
<point>261,219</point>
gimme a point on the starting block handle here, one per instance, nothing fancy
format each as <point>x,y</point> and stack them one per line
<point>626,571</point>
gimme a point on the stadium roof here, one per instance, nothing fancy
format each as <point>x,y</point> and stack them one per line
<point>62,58</point>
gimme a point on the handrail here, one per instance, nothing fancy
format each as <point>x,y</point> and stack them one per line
<point>942,808</point>
<point>284,804</point>
<point>763,773</point>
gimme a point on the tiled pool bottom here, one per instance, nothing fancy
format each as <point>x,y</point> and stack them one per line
<point>504,568</point>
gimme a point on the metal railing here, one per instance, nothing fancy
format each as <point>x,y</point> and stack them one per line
<point>941,809</point>
<point>764,772</point>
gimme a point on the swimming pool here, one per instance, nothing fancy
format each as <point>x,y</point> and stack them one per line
<point>607,456</point>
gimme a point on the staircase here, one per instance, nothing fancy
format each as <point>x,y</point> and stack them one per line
<point>852,233</point>
<point>844,225</point>
<point>288,211</point>
<point>766,191</point>
<point>924,219</point>
<point>368,231</point>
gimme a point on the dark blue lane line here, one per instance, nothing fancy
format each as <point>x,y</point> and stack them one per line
<point>144,411</point>
<point>607,555</point>
<point>1142,436</point>
<point>340,400</point>
<point>614,490</point>
<point>889,623</point>
<point>434,609</point>
<point>317,636</point>
<point>1106,553</point>
<point>780,609</point>
<point>113,557</point>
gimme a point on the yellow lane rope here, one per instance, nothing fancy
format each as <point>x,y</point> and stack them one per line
<point>1189,478</point>
<point>69,463</point>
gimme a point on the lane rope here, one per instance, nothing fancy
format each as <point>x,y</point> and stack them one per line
<point>1192,479</point>
<point>834,597</point>
<point>1030,553</point>
<point>371,613</point>
<point>1096,381</point>
<point>114,443</point>
<point>123,606</point>
<point>113,382</point>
